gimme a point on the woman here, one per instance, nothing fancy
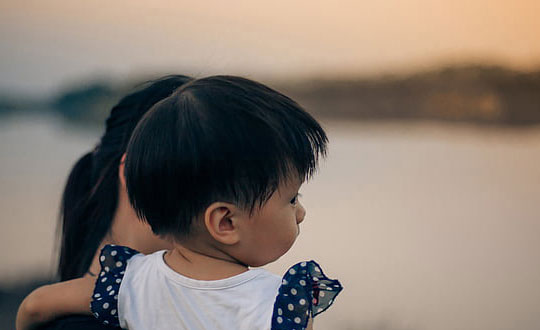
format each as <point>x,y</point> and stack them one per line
<point>95,208</point>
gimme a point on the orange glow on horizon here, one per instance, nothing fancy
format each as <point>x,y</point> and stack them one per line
<point>271,38</point>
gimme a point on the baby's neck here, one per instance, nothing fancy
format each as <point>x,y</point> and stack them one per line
<point>202,265</point>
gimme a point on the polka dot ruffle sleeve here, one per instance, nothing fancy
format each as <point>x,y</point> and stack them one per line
<point>305,292</point>
<point>113,260</point>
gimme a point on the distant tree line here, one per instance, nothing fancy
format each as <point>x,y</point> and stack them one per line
<point>90,103</point>
<point>478,94</point>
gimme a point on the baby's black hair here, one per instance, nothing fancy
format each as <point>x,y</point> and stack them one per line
<point>220,138</point>
<point>90,197</point>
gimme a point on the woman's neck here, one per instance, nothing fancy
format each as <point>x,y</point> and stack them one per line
<point>125,230</point>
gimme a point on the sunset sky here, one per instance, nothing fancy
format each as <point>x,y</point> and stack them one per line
<point>45,45</point>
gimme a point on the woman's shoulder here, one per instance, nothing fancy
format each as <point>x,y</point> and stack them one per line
<point>304,293</point>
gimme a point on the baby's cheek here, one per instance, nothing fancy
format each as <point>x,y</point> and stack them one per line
<point>284,245</point>
<point>291,238</point>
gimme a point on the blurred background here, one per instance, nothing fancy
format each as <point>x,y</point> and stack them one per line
<point>427,208</point>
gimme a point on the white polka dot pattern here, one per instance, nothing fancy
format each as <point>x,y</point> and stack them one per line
<point>304,292</point>
<point>113,262</point>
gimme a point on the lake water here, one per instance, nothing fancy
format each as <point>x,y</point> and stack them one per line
<point>428,226</point>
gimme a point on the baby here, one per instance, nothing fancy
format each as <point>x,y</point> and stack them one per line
<point>215,168</point>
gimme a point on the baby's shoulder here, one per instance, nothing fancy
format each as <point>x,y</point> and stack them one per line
<point>114,260</point>
<point>115,257</point>
<point>304,293</point>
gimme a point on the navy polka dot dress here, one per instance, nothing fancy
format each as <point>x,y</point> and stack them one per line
<point>304,293</point>
<point>113,260</point>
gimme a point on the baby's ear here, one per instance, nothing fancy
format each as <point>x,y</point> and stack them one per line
<point>221,221</point>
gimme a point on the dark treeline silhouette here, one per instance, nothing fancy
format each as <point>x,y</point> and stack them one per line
<point>478,94</point>
<point>473,93</point>
<point>90,102</point>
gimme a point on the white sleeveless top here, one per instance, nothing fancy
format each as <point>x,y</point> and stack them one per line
<point>153,296</point>
<point>141,292</point>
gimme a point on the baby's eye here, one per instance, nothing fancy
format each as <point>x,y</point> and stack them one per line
<point>294,201</point>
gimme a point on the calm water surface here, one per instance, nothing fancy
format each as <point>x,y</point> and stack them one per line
<point>428,226</point>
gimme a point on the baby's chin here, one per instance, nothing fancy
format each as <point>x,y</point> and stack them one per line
<point>269,259</point>
<point>263,263</point>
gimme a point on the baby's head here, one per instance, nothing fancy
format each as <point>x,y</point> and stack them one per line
<point>220,162</point>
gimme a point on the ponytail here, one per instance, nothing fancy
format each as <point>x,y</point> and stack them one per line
<point>90,197</point>
<point>88,205</point>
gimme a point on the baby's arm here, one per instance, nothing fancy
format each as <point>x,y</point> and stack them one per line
<point>51,301</point>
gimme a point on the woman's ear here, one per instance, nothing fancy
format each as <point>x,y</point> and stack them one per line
<point>121,170</point>
<point>221,221</point>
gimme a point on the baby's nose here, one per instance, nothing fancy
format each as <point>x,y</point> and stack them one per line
<point>300,213</point>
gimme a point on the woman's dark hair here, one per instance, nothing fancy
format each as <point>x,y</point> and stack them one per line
<point>91,194</point>
<point>219,138</point>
